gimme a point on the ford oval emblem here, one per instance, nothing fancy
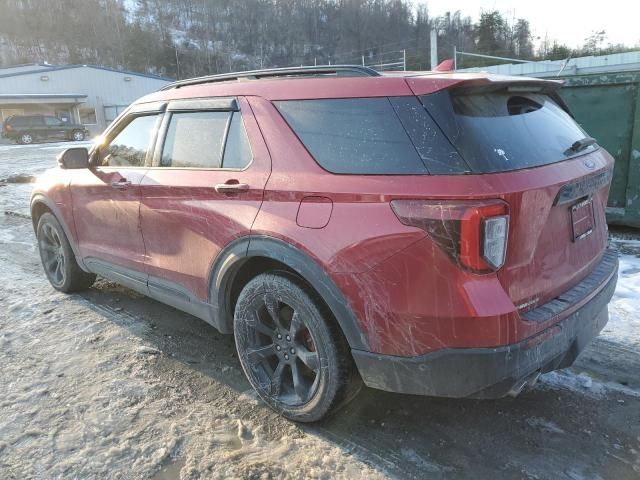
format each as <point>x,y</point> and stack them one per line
<point>590,164</point>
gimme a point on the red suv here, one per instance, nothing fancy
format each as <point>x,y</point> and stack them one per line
<point>427,233</point>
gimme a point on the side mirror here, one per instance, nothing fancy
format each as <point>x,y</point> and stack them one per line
<point>72,158</point>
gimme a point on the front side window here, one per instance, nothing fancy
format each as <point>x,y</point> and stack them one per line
<point>130,146</point>
<point>206,140</point>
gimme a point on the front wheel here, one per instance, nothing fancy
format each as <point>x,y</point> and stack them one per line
<point>58,259</point>
<point>291,350</point>
<point>77,135</point>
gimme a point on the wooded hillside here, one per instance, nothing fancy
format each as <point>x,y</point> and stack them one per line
<point>183,38</point>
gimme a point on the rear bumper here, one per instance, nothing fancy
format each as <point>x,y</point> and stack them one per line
<point>494,372</point>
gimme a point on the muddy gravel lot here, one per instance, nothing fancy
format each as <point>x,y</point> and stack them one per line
<point>109,384</point>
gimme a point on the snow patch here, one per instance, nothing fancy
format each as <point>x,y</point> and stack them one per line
<point>234,448</point>
<point>624,309</point>
<point>583,384</point>
<point>426,465</point>
<point>546,425</point>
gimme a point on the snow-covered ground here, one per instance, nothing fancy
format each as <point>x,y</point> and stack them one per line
<point>109,384</point>
<point>25,161</point>
<point>624,309</point>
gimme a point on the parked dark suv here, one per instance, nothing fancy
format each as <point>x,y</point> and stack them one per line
<point>27,129</point>
<point>428,233</point>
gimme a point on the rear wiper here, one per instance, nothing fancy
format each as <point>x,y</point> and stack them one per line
<point>580,145</point>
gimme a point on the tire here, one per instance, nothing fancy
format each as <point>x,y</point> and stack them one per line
<point>291,350</point>
<point>25,139</point>
<point>58,259</point>
<point>77,135</point>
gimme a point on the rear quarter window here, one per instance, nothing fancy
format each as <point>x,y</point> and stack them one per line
<point>17,122</point>
<point>367,135</point>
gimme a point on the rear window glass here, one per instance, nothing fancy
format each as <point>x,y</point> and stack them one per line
<point>21,121</point>
<point>356,135</point>
<point>502,131</point>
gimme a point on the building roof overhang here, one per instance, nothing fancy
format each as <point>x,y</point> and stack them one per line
<point>31,98</point>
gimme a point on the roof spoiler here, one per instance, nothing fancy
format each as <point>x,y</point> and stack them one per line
<point>445,66</point>
<point>510,84</point>
<point>514,85</point>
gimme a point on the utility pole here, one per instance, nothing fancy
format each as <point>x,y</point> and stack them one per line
<point>177,64</point>
<point>434,48</point>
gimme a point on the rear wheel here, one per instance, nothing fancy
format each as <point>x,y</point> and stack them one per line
<point>292,352</point>
<point>25,139</point>
<point>57,257</point>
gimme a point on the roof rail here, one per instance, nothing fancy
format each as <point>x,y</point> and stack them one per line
<point>338,70</point>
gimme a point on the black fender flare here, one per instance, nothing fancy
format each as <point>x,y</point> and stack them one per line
<point>234,255</point>
<point>41,198</point>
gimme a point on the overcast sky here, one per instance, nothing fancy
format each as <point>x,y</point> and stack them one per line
<point>568,21</point>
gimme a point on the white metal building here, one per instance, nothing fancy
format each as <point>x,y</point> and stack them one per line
<point>86,94</point>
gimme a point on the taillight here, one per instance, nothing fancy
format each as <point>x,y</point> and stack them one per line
<point>473,233</point>
<point>8,127</point>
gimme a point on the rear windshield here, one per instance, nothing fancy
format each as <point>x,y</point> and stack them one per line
<point>502,131</point>
<point>371,136</point>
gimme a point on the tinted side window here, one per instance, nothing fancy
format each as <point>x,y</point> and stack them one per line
<point>195,140</point>
<point>52,121</point>
<point>18,121</point>
<point>237,152</point>
<point>36,121</point>
<point>129,147</point>
<point>355,135</point>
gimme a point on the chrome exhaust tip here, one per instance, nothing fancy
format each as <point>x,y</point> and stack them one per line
<point>525,383</point>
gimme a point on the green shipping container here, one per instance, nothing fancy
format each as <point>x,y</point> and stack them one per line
<point>607,106</point>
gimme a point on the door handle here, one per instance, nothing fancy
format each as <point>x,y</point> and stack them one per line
<point>229,187</point>
<point>121,184</point>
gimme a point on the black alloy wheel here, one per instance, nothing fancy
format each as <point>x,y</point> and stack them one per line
<point>290,348</point>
